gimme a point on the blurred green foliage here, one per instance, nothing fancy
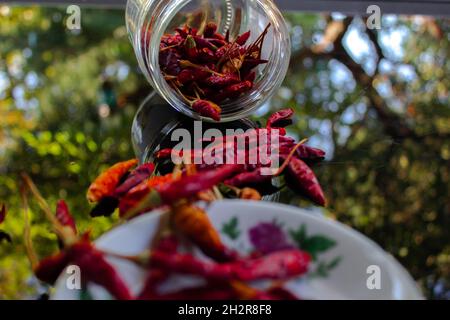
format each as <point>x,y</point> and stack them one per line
<point>378,102</point>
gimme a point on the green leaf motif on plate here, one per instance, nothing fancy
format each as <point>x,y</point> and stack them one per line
<point>315,244</point>
<point>231,228</point>
<point>85,295</point>
<point>323,268</point>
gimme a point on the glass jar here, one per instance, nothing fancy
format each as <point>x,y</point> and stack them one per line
<point>148,20</point>
<point>155,122</point>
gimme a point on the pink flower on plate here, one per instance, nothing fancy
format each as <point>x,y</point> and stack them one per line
<point>268,237</point>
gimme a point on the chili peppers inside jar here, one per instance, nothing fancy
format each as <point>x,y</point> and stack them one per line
<point>214,60</point>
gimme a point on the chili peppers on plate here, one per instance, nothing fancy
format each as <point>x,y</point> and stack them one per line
<point>279,265</point>
<point>77,250</point>
<point>93,265</point>
<point>192,63</point>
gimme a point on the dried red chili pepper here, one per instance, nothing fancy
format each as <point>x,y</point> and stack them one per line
<point>280,265</point>
<point>207,109</point>
<point>221,291</point>
<point>171,40</point>
<point>183,32</point>
<point>167,243</point>
<point>164,154</point>
<point>275,293</point>
<point>249,64</point>
<point>217,42</point>
<point>302,178</point>
<point>108,204</point>
<point>210,30</point>
<point>106,184</point>
<point>254,134</point>
<point>189,186</point>
<point>144,198</point>
<point>243,38</point>
<point>203,43</point>
<point>208,293</point>
<point>65,217</point>
<point>94,268</point>
<point>206,55</point>
<point>280,119</point>
<point>234,90</point>
<point>93,265</point>
<point>222,80</point>
<point>190,47</point>
<point>169,61</point>
<point>219,37</point>
<point>194,223</point>
<point>223,51</point>
<point>307,153</point>
<point>50,268</point>
<point>255,177</point>
<point>3,235</point>
<point>137,176</point>
<point>186,76</point>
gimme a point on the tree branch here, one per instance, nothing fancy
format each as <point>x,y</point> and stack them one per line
<point>392,123</point>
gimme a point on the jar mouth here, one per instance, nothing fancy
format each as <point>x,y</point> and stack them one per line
<point>270,76</point>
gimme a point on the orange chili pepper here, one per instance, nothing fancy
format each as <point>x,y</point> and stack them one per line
<point>106,183</point>
<point>193,222</point>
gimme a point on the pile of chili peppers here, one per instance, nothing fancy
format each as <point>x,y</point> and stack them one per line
<point>135,189</point>
<point>207,68</point>
<point>226,273</point>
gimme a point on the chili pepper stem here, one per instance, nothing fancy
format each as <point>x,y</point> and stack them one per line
<point>197,89</point>
<point>187,63</point>
<point>57,226</point>
<point>259,39</point>
<point>289,157</point>
<point>165,229</point>
<point>170,78</point>
<point>31,253</point>
<point>169,47</point>
<point>190,102</point>
<point>227,53</point>
<point>234,189</point>
<point>152,198</point>
<point>217,193</point>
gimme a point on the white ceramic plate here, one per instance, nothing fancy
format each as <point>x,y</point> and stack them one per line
<point>344,266</point>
